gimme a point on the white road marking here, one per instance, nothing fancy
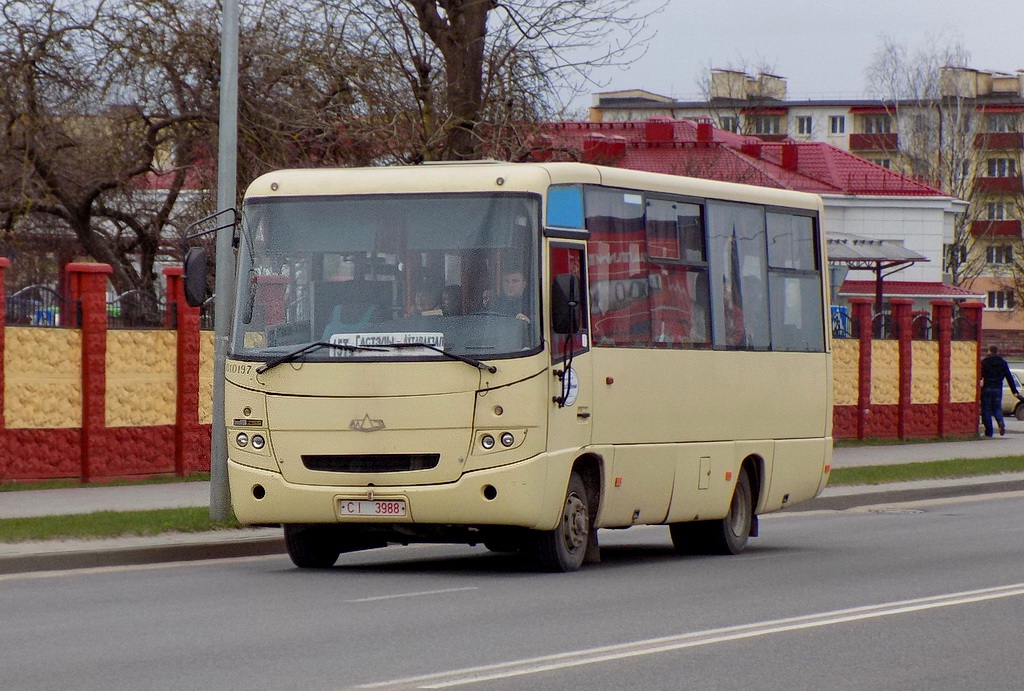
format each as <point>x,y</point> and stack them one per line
<point>588,656</point>
<point>396,596</point>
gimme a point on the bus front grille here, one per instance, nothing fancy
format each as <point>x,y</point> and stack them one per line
<point>371,463</point>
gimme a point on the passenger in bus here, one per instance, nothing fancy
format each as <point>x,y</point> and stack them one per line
<point>425,303</point>
<point>451,301</point>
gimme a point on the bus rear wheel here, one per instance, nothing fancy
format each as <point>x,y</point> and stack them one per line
<point>311,547</point>
<point>564,548</point>
<point>726,536</point>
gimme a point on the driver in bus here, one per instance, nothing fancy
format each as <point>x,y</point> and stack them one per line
<point>512,301</point>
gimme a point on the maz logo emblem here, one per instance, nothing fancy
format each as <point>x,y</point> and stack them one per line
<point>367,424</point>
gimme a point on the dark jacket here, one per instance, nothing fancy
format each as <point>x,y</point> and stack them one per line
<point>993,371</point>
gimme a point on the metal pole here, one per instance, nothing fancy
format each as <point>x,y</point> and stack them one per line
<point>227,164</point>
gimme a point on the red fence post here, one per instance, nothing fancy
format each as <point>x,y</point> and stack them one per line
<point>971,312</point>
<point>87,284</point>
<point>186,419</point>
<point>4,263</point>
<point>862,318</point>
<point>942,321</point>
<point>901,313</point>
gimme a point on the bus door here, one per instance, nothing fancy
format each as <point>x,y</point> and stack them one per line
<point>569,419</point>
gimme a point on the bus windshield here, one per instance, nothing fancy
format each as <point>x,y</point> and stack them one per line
<point>376,274</point>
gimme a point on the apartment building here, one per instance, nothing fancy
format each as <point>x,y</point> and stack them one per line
<point>968,142</point>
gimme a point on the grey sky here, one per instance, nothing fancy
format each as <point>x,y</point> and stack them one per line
<point>822,47</point>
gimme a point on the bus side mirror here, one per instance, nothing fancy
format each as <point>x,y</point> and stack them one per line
<point>566,304</point>
<point>195,276</point>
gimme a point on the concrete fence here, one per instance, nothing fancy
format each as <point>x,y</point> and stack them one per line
<point>84,401</point>
<point>903,387</point>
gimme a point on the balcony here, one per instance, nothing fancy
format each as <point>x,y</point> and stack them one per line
<point>887,141</point>
<point>1004,185</point>
<point>993,229</point>
<point>999,141</point>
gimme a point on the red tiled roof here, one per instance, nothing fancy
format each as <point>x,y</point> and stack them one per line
<point>706,152</point>
<point>906,289</point>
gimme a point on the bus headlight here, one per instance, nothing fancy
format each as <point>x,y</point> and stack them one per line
<point>258,442</point>
<point>242,439</point>
<point>507,439</point>
<point>487,441</point>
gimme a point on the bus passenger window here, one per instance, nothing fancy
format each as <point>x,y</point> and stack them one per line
<point>680,305</point>
<point>617,265</point>
<point>739,279</point>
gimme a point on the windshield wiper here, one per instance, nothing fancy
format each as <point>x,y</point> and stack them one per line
<point>453,356</point>
<point>287,357</point>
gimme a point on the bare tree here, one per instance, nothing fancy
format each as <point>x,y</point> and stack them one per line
<point>937,125</point>
<point>99,123</point>
<point>109,108</point>
<point>735,93</point>
<point>476,76</point>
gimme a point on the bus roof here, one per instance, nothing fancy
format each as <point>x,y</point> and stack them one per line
<point>476,176</point>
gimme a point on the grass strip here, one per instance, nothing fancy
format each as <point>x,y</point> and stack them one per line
<point>101,524</point>
<point>925,470</point>
<point>29,485</point>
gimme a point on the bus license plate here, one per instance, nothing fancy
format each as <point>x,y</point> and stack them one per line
<point>376,507</point>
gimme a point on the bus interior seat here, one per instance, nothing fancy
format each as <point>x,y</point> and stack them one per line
<point>342,320</point>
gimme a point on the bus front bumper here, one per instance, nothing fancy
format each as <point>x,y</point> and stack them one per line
<point>527,494</point>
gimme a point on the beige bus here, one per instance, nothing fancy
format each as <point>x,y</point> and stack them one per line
<point>519,355</point>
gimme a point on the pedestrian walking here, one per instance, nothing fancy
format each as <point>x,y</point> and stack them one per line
<point>994,371</point>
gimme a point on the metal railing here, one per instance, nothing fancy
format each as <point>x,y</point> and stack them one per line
<point>138,309</point>
<point>40,305</point>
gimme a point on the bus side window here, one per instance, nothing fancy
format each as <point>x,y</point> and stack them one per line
<point>566,260</point>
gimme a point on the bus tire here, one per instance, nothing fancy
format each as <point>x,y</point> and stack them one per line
<point>563,549</point>
<point>311,547</point>
<point>726,536</point>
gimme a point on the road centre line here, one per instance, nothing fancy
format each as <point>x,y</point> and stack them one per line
<point>588,656</point>
<point>397,596</point>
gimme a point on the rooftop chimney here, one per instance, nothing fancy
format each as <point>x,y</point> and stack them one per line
<point>752,149</point>
<point>791,157</point>
<point>659,130</point>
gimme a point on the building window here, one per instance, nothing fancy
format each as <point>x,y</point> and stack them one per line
<point>767,124</point>
<point>884,162</point>
<point>1002,168</point>
<point>729,123</point>
<point>1001,122</point>
<point>1000,300</point>
<point>999,254</point>
<point>997,211</point>
<point>877,124</point>
<point>804,124</point>
<point>837,124</point>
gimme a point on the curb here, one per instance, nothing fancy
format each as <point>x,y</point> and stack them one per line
<point>86,557</point>
<point>866,497</point>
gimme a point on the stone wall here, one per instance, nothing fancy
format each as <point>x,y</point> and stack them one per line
<point>905,388</point>
<point>81,401</point>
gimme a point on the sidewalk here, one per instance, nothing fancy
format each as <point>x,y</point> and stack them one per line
<point>59,554</point>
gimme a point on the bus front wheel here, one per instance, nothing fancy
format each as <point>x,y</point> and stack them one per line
<point>563,549</point>
<point>311,547</point>
<point>726,536</point>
